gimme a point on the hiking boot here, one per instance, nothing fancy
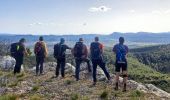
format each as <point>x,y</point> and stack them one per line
<point>124,88</point>
<point>116,87</point>
<point>94,83</point>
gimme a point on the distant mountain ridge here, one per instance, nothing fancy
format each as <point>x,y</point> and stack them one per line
<point>134,37</point>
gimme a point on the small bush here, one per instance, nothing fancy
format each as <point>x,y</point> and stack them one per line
<point>136,93</point>
<point>35,88</point>
<point>35,97</point>
<point>20,75</point>
<point>13,84</point>
<point>74,96</point>
<point>68,82</point>
<point>9,97</point>
<point>104,95</point>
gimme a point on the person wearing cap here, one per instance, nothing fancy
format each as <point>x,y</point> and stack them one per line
<point>80,53</point>
<point>40,51</point>
<point>60,56</point>
<point>19,54</point>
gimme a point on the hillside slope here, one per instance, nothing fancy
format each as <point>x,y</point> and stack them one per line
<point>157,57</point>
<point>27,86</point>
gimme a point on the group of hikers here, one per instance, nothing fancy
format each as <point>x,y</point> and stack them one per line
<point>80,53</point>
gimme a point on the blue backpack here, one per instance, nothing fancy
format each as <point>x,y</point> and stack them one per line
<point>96,51</point>
<point>121,54</point>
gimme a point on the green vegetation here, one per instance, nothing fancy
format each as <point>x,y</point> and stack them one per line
<point>35,97</point>
<point>35,88</point>
<point>9,97</point>
<point>74,96</point>
<point>157,57</point>
<point>104,95</point>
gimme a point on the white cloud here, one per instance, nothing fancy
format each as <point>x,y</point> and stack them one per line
<point>99,9</point>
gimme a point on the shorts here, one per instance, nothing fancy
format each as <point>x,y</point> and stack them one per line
<point>120,66</point>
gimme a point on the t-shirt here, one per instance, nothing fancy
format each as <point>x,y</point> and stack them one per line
<point>117,47</point>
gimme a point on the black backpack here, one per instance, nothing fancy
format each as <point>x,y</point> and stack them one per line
<point>78,50</point>
<point>59,51</point>
<point>14,50</point>
<point>96,51</point>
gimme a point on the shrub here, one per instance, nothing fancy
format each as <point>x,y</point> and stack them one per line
<point>9,97</point>
<point>74,96</point>
<point>104,95</point>
<point>35,88</point>
<point>35,97</point>
<point>136,93</point>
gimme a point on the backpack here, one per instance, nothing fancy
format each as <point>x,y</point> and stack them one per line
<point>96,51</point>
<point>121,54</point>
<point>78,50</point>
<point>39,50</point>
<point>14,49</point>
<point>59,51</point>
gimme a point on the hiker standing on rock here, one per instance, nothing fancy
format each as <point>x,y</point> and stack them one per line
<point>18,51</point>
<point>96,52</point>
<point>40,51</point>
<point>60,55</point>
<point>80,53</point>
<point>121,51</point>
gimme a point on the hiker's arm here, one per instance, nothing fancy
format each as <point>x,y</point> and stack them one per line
<point>114,49</point>
<point>67,47</point>
<point>85,51</point>
<point>72,50</point>
<point>25,51</point>
<point>101,47</point>
<point>46,49</point>
<point>34,48</point>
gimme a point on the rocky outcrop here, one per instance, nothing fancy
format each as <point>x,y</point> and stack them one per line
<point>146,88</point>
<point>8,63</point>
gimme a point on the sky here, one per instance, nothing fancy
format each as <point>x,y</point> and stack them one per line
<point>83,16</point>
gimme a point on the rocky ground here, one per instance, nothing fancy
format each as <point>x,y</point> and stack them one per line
<point>27,86</point>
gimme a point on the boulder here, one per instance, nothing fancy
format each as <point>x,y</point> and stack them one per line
<point>157,91</point>
<point>7,62</point>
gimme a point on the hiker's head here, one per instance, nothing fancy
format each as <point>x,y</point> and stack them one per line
<point>121,40</point>
<point>96,39</point>
<point>22,40</point>
<point>80,39</point>
<point>41,38</point>
<point>62,40</point>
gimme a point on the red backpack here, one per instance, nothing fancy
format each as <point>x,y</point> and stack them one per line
<point>39,50</point>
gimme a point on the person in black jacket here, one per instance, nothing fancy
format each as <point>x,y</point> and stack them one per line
<point>18,51</point>
<point>60,55</point>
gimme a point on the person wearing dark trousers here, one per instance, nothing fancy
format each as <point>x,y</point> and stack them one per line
<point>60,55</point>
<point>121,51</point>
<point>19,62</point>
<point>96,51</point>
<point>80,53</point>
<point>18,51</point>
<point>40,51</point>
<point>39,64</point>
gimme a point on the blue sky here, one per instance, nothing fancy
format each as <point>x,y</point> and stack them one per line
<point>83,16</point>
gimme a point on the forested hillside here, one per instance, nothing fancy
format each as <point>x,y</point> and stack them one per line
<point>157,57</point>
